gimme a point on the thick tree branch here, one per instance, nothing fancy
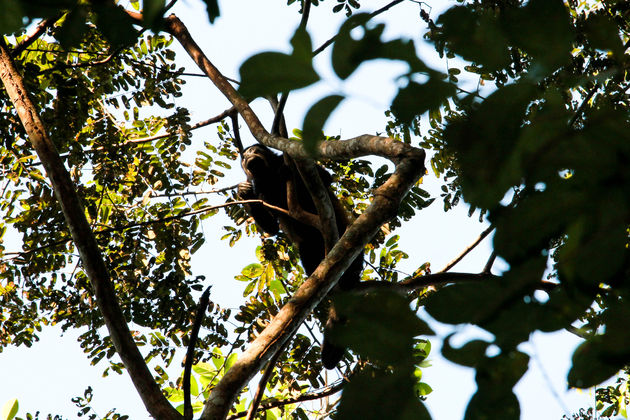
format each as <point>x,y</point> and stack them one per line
<point>93,263</point>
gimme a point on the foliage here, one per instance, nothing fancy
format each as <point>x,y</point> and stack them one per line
<point>540,145</point>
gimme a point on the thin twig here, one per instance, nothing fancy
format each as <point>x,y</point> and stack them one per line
<point>213,120</point>
<point>262,384</point>
<point>190,352</point>
<point>373,14</point>
<point>237,133</point>
<point>467,250</point>
<point>333,389</point>
<point>488,267</point>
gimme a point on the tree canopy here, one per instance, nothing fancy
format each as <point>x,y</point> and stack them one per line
<point>108,203</point>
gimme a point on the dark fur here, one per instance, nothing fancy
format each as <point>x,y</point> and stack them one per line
<point>267,176</point>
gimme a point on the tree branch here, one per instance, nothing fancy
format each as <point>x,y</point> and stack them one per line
<point>260,391</point>
<point>468,249</point>
<point>83,237</point>
<point>373,14</point>
<point>190,352</point>
<point>39,30</point>
<point>333,389</point>
<point>319,193</point>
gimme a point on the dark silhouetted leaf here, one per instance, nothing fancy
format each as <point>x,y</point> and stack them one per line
<point>315,119</point>
<point>269,73</point>
<point>377,395</point>
<point>416,99</point>
<point>368,326</point>
<point>212,6</point>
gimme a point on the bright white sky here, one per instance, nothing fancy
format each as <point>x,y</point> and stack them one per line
<point>46,376</point>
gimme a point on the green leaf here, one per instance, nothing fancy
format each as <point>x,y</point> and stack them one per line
<point>74,27</point>
<point>468,355</point>
<point>9,409</point>
<point>489,135</point>
<point>602,33</point>
<point>492,401</point>
<point>548,39</point>
<point>476,36</point>
<point>252,271</point>
<point>115,24</point>
<point>592,365</point>
<point>367,326</point>
<point>498,403</point>
<point>416,99</point>
<point>350,52</point>
<point>11,16</point>
<point>152,14</point>
<point>315,119</point>
<point>378,395</point>
<point>269,73</point>
<point>230,361</point>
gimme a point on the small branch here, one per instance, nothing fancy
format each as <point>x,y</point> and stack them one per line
<point>190,352</point>
<point>279,126</point>
<point>260,391</point>
<point>305,14</point>
<point>213,120</point>
<point>373,14</point>
<point>39,30</point>
<point>237,133</point>
<point>437,279</point>
<point>333,389</point>
<point>468,249</point>
<point>488,267</point>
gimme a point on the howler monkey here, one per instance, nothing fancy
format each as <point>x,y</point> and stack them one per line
<point>267,177</point>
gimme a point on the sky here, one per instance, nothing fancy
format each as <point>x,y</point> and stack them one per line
<point>46,376</point>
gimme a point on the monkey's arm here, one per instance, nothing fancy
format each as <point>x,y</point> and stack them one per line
<point>262,216</point>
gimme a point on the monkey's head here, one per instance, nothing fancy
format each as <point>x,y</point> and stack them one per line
<point>258,160</point>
